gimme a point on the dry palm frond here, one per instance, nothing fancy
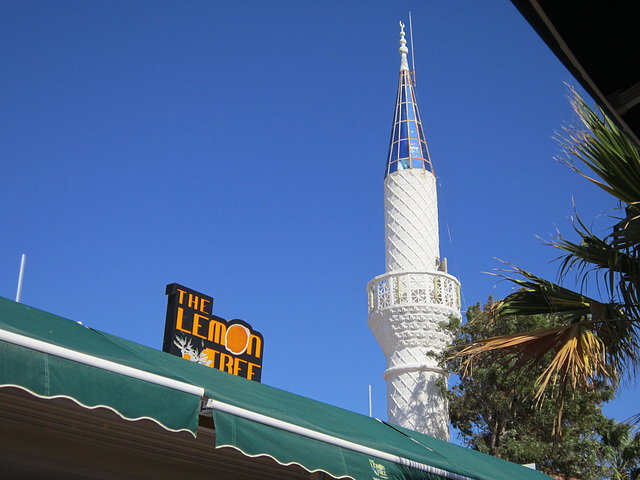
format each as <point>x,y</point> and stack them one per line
<point>578,359</point>
<point>579,355</point>
<point>610,322</point>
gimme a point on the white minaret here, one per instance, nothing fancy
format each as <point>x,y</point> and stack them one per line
<point>408,304</point>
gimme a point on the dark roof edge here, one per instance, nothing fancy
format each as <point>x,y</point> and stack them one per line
<point>534,14</point>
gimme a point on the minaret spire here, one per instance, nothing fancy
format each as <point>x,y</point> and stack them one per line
<point>404,65</point>
<point>408,146</point>
<point>409,303</point>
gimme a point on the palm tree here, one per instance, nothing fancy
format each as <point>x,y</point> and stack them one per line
<point>595,339</point>
<point>620,450</point>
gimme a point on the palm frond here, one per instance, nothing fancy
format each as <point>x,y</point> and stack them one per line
<point>602,259</point>
<point>605,150</point>
<point>610,322</point>
<point>540,296</point>
<point>593,252</point>
<point>626,234</point>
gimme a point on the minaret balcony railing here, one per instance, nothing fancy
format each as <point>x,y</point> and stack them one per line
<point>413,288</point>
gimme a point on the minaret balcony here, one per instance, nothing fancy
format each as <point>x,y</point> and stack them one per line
<point>413,288</point>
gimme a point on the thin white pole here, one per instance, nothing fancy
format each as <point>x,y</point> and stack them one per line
<point>413,60</point>
<point>370,412</point>
<point>19,292</point>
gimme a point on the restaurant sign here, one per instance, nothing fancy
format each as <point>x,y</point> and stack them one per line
<point>194,333</point>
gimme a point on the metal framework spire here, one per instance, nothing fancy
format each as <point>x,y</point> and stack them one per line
<point>408,146</point>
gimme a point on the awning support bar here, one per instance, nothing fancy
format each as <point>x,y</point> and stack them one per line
<point>97,362</point>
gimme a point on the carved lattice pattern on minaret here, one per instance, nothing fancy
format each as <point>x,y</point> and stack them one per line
<point>411,221</point>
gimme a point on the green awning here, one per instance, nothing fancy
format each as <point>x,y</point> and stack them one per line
<point>50,356</point>
<point>259,420</point>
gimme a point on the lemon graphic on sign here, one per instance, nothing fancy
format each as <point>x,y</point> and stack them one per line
<point>236,339</point>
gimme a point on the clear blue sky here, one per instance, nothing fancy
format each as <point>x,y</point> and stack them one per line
<point>238,148</point>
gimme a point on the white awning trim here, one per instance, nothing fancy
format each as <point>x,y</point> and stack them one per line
<point>97,362</point>
<point>331,440</point>
<point>94,407</point>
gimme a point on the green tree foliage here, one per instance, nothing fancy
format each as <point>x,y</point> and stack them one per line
<point>495,408</point>
<point>620,450</point>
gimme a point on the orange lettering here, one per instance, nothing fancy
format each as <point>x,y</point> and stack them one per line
<point>226,363</point>
<point>250,372</point>
<point>181,299</point>
<point>202,302</point>
<point>193,301</point>
<point>196,324</point>
<point>236,367</point>
<point>258,344</point>
<point>179,320</point>
<point>217,331</point>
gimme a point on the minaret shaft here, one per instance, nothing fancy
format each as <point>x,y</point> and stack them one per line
<point>409,304</point>
<point>411,221</point>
